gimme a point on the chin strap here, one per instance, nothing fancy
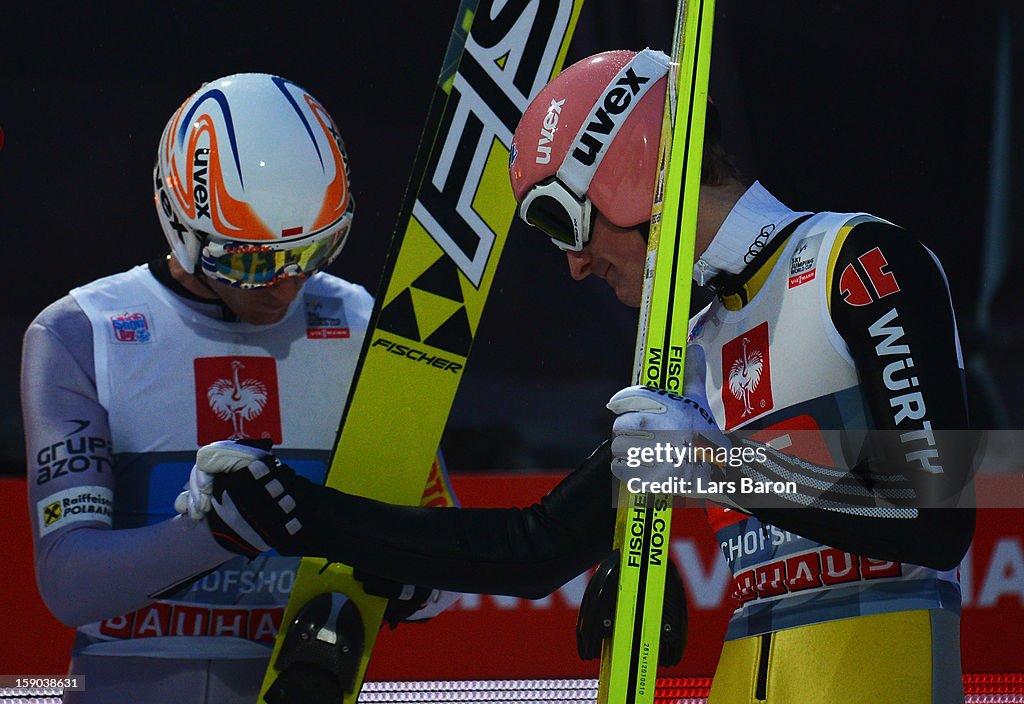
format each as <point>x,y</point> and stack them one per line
<point>161,270</point>
<point>226,313</point>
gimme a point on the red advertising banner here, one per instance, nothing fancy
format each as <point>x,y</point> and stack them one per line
<point>494,637</point>
<point>488,637</point>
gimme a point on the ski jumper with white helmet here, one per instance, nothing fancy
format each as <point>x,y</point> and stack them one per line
<point>251,181</point>
<point>127,376</point>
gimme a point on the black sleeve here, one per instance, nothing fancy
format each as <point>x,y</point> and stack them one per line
<point>890,302</point>
<point>526,552</point>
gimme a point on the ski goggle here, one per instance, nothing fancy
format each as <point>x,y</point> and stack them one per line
<point>252,264</point>
<point>558,213</point>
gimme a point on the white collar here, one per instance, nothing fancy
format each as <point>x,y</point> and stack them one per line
<point>753,221</point>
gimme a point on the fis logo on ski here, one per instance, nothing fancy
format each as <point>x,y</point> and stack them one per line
<point>464,197</point>
<point>464,207</point>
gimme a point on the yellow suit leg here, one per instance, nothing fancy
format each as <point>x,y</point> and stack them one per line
<point>910,657</point>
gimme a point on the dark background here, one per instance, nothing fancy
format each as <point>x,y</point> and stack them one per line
<point>885,107</point>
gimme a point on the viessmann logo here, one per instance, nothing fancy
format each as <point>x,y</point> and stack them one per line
<point>802,265</point>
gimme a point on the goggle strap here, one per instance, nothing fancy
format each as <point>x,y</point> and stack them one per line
<point>581,163</point>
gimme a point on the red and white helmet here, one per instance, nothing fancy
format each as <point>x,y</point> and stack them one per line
<point>590,139</point>
<point>251,181</point>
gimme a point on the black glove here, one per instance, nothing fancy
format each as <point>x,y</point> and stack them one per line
<point>253,502</point>
<point>404,600</point>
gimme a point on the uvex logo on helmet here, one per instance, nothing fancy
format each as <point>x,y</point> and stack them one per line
<point>614,102</point>
<point>547,132</point>
<point>200,191</point>
<point>173,224</point>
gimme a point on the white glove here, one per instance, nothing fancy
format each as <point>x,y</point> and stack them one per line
<point>226,472</point>
<point>221,456</point>
<point>407,603</point>
<point>438,602</point>
<point>654,437</point>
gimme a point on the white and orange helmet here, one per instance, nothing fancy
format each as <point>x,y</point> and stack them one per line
<point>251,182</point>
<point>588,140</point>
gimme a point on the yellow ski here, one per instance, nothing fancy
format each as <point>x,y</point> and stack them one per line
<point>449,237</point>
<point>629,658</point>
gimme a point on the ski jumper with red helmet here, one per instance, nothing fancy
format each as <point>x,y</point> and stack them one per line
<point>590,140</point>
<point>832,596</point>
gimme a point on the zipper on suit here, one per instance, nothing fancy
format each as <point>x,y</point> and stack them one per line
<point>761,687</point>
